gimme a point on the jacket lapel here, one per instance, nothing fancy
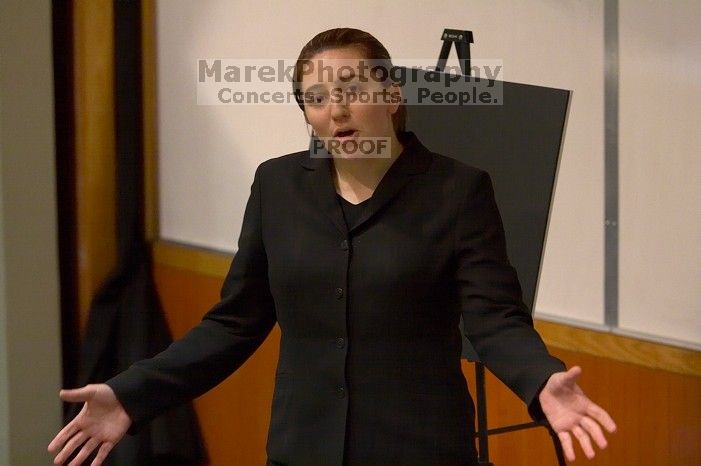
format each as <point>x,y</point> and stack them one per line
<point>322,189</point>
<point>414,159</point>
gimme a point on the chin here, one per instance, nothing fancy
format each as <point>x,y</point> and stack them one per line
<point>350,156</point>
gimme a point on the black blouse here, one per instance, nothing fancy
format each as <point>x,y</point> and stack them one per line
<point>352,212</point>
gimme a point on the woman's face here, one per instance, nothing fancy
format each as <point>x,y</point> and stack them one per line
<point>344,101</point>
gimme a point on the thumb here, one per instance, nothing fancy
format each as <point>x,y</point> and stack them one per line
<point>572,374</point>
<point>77,394</point>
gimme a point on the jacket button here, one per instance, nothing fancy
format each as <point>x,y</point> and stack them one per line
<point>339,293</point>
<point>341,391</point>
<point>344,244</point>
<point>340,342</point>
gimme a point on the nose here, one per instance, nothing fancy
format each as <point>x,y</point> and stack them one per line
<point>339,109</point>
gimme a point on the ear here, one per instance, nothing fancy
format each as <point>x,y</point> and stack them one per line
<point>395,91</point>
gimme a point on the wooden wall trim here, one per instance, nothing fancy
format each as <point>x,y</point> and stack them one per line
<point>198,260</point>
<point>596,343</point>
<point>621,348</point>
<point>93,71</point>
<point>150,118</point>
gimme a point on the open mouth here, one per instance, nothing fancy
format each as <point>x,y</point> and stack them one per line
<point>345,133</point>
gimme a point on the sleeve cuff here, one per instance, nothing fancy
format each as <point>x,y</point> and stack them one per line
<point>534,408</point>
<point>126,388</point>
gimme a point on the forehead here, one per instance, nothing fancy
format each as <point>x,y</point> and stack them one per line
<point>333,65</point>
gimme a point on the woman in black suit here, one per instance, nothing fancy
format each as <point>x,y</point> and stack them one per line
<point>366,249</point>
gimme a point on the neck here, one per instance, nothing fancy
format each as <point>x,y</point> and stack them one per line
<point>362,175</point>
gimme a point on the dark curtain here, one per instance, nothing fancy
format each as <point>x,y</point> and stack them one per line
<point>126,321</point>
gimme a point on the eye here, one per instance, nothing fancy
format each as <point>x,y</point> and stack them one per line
<point>316,99</point>
<point>352,89</point>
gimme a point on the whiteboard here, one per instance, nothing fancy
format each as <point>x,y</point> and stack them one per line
<point>660,169</point>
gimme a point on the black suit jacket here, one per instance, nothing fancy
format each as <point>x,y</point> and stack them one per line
<point>369,369</point>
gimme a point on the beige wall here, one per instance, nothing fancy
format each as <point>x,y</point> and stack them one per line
<point>30,368</point>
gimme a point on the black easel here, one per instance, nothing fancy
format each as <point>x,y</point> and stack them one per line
<point>462,40</point>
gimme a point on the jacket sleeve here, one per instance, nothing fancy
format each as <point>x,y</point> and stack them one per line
<point>496,320</point>
<point>225,338</point>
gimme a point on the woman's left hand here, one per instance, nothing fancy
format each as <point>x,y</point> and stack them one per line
<point>570,412</point>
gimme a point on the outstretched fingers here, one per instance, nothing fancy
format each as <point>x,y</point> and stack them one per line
<point>75,441</point>
<point>594,430</point>
<point>67,432</point>
<point>102,453</point>
<point>584,441</point>
<point>602,417</point>
<point>88,448</point>
<point>566,442</point>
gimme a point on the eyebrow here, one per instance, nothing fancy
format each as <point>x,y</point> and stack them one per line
<point>315,87</point>
<point>344,78</point>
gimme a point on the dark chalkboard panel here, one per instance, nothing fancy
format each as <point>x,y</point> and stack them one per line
<point>517,141</point>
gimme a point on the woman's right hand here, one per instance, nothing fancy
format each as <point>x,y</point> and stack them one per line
<point>102,422</point>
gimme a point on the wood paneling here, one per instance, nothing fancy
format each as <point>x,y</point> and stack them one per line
<point>150,118</point>
<point>234,416</point>
<point>658,412</point>
<point>94,147</point>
